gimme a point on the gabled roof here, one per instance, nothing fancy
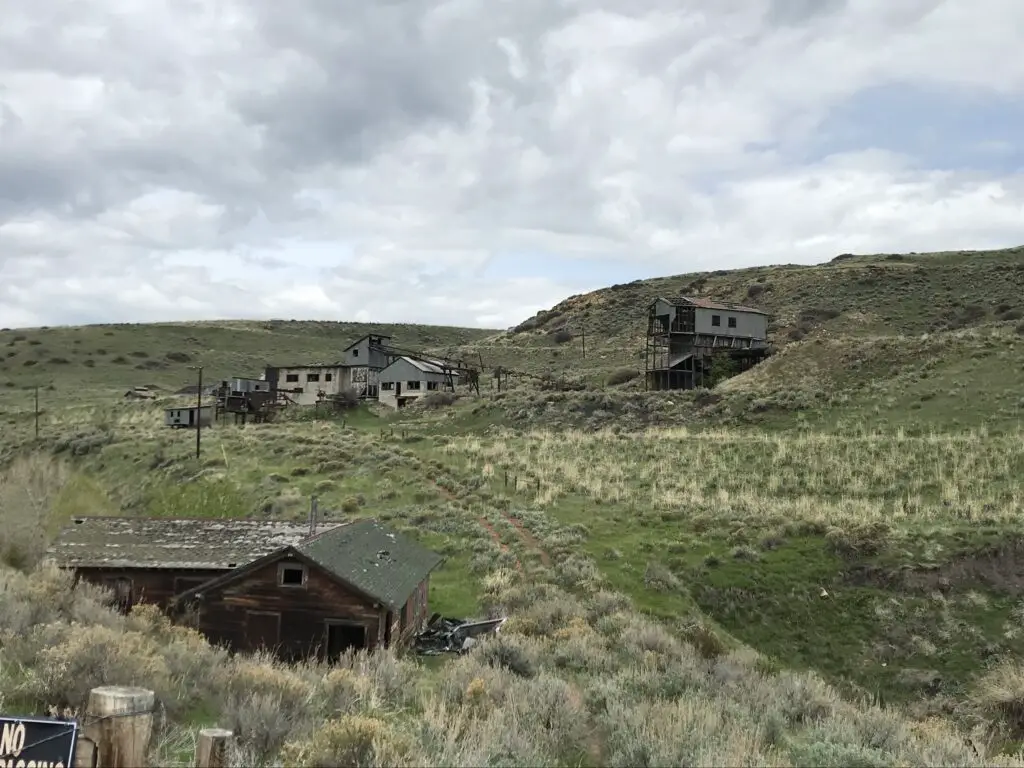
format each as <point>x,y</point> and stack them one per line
<point>380,564</point>
<point>175,544</point>
<point>427,365</point>
<point>364,337</point>
<point>377,561</point>
<point>683,301</point>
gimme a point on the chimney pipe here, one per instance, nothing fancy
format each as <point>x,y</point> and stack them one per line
<point>312,515</point>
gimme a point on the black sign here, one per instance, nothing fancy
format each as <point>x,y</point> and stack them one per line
<point>37,742</point>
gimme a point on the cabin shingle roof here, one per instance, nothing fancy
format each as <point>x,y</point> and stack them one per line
<point>382,563</point>
<point>180,544</point>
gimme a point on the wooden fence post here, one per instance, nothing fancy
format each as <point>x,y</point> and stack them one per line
<point>212,748</point>
<point>119,719</point>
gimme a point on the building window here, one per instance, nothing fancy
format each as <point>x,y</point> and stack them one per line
<point>312,377</point>
<point>412,385</point>
<point>387,385</point>
<point>431,385</point>
<point>716,320</point>
<point>732,322</point>
<point>291,575</point>
<point>291,377</point>
<point>355,352</point>
<point>328,377</point>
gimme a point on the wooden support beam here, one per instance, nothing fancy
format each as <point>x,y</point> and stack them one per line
<point>119,720</point>
<point>212,748</point>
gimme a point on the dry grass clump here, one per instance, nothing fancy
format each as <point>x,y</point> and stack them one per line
<point>29,489</point>
<point>573,677</point>
<point>825,478</point>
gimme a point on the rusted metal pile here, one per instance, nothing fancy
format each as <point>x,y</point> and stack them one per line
<point>446,635</point>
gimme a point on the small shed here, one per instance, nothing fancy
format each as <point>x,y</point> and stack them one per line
<point>154,559</point>
<point>188,417</point>
<point>358,585</point>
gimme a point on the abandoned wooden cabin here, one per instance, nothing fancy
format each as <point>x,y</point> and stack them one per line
<point>152,560</point>
<point>279,587</point>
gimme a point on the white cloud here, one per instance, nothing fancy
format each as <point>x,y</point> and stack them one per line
<point>395,163</point>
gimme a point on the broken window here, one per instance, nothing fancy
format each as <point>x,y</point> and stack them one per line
<point>387,385</point>
<point>328,377</point>
<point>732,322</point>
<point>312,377</point>
<point>292,377</point>
<point>716,320</point>
<point>412,385</point>
<point>355,353</point>
<point>431,385</point>
<point>292,576</point>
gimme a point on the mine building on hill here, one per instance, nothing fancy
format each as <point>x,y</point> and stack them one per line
<point>687,336</point>
<point>297,590</point>
<point>308,384</point>
<point>370,368</point>
<point>365,359</point>
<point>407,379</point>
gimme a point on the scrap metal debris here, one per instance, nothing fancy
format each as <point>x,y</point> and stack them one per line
<point>446,635</point>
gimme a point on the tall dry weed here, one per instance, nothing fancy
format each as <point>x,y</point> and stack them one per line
<point>29,488</point>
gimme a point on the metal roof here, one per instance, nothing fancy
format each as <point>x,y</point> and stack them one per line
<point>683,301</point>
<point>427,365</point>
<point>180,544</point>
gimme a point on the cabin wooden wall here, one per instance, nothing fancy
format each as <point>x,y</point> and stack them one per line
<point>414,614</point>
<point>149,585</point>
<point>245,614</point>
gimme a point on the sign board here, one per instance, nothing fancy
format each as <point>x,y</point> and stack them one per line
<point>37,742</point>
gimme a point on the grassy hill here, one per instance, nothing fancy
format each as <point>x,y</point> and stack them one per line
<point>816,563</point>
<point>918,339</point>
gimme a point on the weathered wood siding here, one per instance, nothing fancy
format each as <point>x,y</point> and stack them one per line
<point>413,616</point>
<point>230,614</point>
<point>149,585</point>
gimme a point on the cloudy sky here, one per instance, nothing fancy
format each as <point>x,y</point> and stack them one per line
<point>472,161</point>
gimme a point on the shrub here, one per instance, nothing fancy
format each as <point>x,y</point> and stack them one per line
<point>28,490</point>
<point>621,376</point>
<point>439,399</point>
<point>179,357</point>
<point>561,336</point>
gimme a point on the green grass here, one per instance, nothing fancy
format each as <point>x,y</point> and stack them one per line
<point>107,360</point>
<point>874,458</point>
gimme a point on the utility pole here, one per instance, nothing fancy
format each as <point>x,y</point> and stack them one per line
<point>37,411</point>
<point>199,410</point>
<point>583,336</point>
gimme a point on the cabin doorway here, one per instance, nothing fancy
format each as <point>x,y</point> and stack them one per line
<point>342,636</point>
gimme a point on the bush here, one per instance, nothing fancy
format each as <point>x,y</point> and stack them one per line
<point>621,376</point>
<point>439,399</point>
<point>28,490</point>
<point>561,336</point>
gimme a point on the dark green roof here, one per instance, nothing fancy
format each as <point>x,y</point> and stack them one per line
<point>381,563</point>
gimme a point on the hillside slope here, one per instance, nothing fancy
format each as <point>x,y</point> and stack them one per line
<point>886,336</point>
<point>84,360</point>
<point>878,295</point>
